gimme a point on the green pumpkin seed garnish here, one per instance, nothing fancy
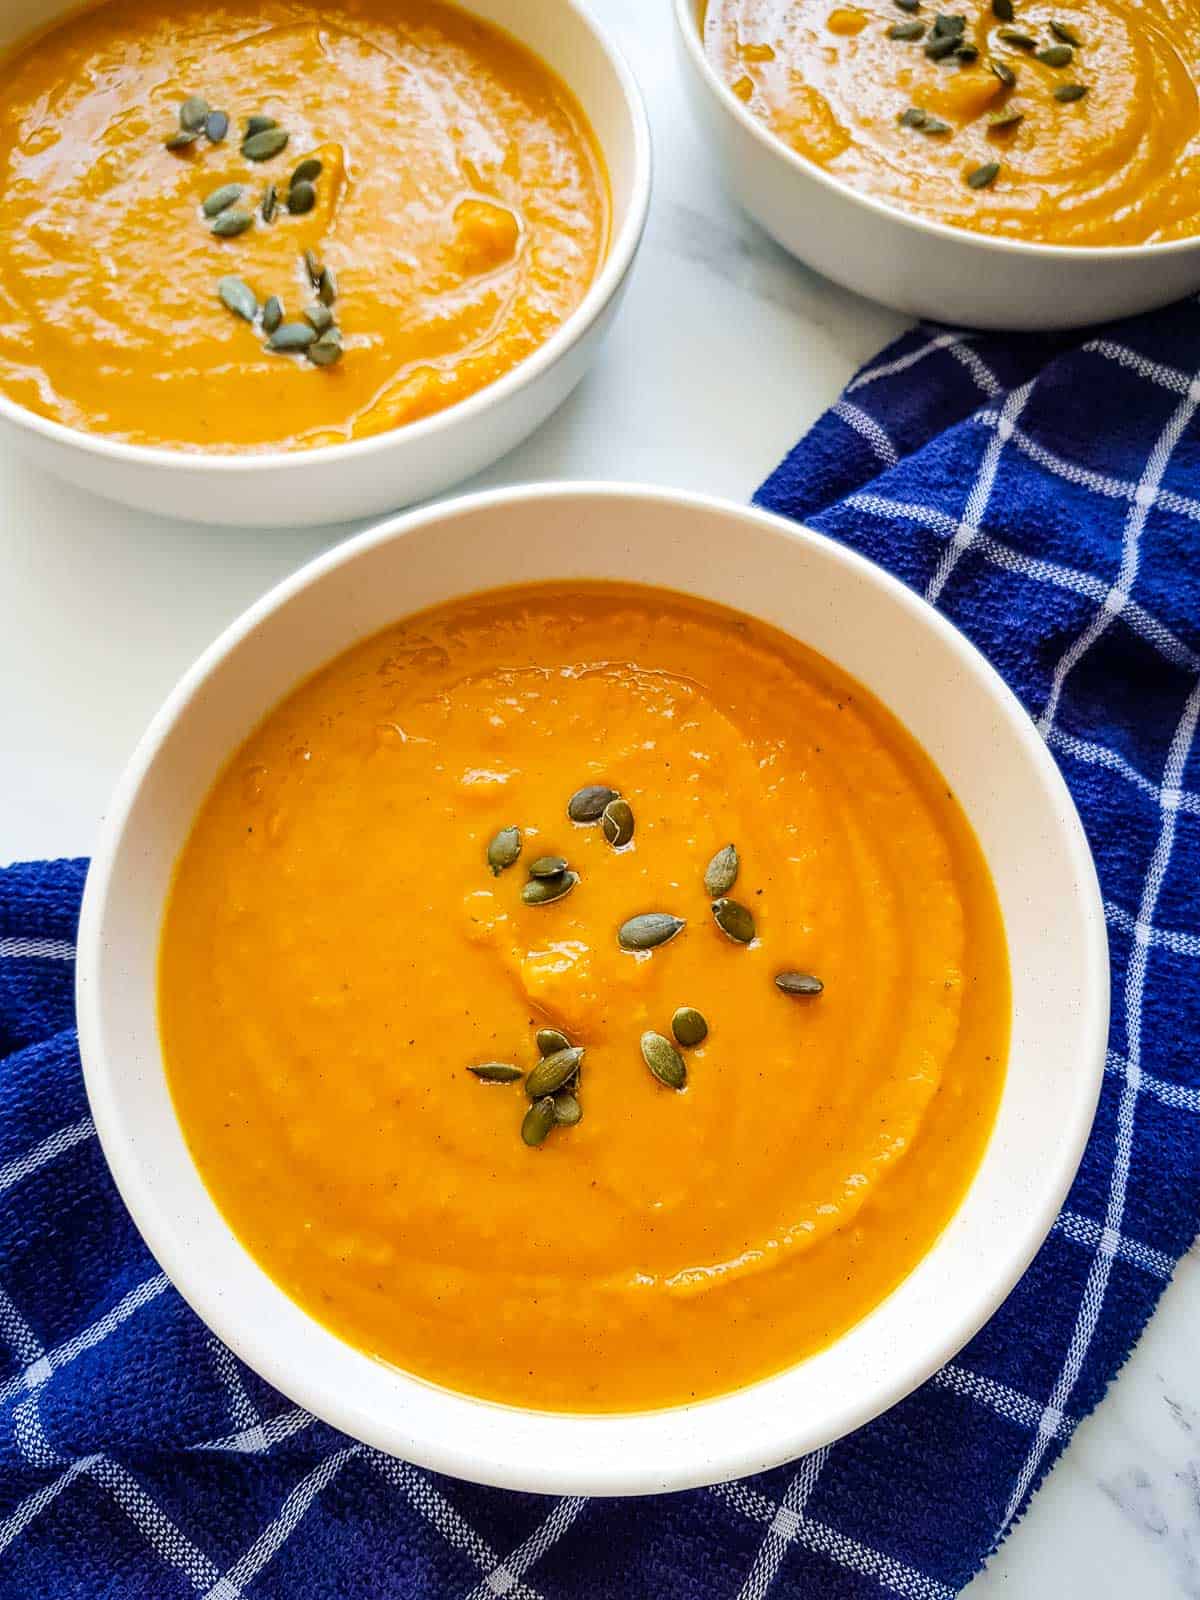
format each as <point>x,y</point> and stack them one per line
<point>321,318</point>
<point>1019,41</point>
<point>734,920</point>
<point>914,117</point>
<point>221,199</point>
<point>664,1061</point>
<point>183,140</point>
<point>193,114</point>
<point>553,1073</point>
<point>291,337</point>
<point>263,146</point>
<point>308,171</point>
<point>539,1119</point>
<point>1070,91</point>
<point>312,265</point>
<point>1056,55</point>
<point>1002,10</point>
<point>935,126</point>
<point>982,176</point>
<point>907,5</point>
<point>544,891</point>
<point>721,873</point>
<point>937,49</point>
<point>798,983</point>
<point>216,127</point>
<point>966,53</point>
<point>324,351</point>
<point>689,1026</point>
<point>1005,73</point>
<point>503,850</point>
<point>587,804</point>
<point>238,297</point>
<point>259,123</point>
<point>551,1040</point>
<point>906,31</point>
<point>949,26</point>
<point>326,286</point>
<point>567,1110</point>
<point>1067,35</point>
<point>270,203</point>
<point>302,197</point>
<point>547,867</point>
<point>272,314</point>
<point>648,931</point>
<point>230,223</point>
<point>617,822</point>
<point>497,1072</point>
<point>1000,121</point>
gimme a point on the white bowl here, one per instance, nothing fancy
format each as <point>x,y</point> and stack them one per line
<point>923,268</point>
<point>367,476</point>
<point>869,624</point>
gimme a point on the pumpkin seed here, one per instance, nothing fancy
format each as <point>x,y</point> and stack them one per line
<point>230,223</point>
<point>263,146</point>
<point>221,199</point>
<point>302,197</point>
<point>551,1040</point>
<point>193,114</point>
<point>504,849</point>
<point>1020,41</point>
<point>648,931</point>
<point>496,1072</point>
<point>664,1061</point>
<point>216,127</point>
<point>966,53</point>
<point>553,1073</point>
<point>689,1026</point>
<point>935,125</point>
<point>906,31</point>
<point>312,265</point>
<point>238,297</point>
<point>547,867</point>
<point>945,44</point>
<point>544,891</point>
<point>1004,72</point>
<point>539,1119</point>
<point>308,170</point>
<point>1001,120</point>
<point>907,5</point>
<point>798,983</point>
<point>327,349</point>
<point>272,314</point>
<point>948,26</point>
<point>914,117</point>
<point>321,318</point>
<point>734,920</point>
<point>587,804</point>
<point>1061,31</point>
<point>1002,10</point>
<point>617,821</point>
<point>1070,91</point>
<point>983,176</point>
<point>270,203</point>
<point>290,337</point>
<point>721,873</point>
<point>182,140</point>
<point>259,123</point>
<point>327,286</point>
<point>1056,55</point>
<point>567,1110</point>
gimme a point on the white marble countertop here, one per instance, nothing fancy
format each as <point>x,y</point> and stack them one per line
<point>725,351</point>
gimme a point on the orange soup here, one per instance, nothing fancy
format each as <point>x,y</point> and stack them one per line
<point>1057,124</point>
<point>252,224</point>
<point>430,976</point>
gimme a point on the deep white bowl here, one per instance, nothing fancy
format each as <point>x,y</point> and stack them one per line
<point>923,268</point>
<point>821,593</point>
<point>367,476</point>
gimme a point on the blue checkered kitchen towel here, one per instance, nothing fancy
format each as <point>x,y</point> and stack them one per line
<point>1046,495</point>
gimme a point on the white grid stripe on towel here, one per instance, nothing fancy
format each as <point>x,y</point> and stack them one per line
<point>503,1578</point>
<point>1180,944</point>
<point>783,1527</point>
<point>40,1368</point>
<point>54,1144</point>
<point>1177,1095</point>
<point>888,369</point>
<point>36,949</point>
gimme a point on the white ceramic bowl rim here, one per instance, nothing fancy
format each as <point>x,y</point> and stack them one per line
<point>688,22</point>
<point>649,1451</point>
<point>622,249</point>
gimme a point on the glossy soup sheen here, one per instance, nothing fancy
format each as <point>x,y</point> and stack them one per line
<point>336,954</point>
<point>462,205</point>
<point>1117,166</point>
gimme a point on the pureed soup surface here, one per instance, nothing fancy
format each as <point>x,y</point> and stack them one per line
<point>461,205</point>
<point>1118,163</point>
<point>336,954</point>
